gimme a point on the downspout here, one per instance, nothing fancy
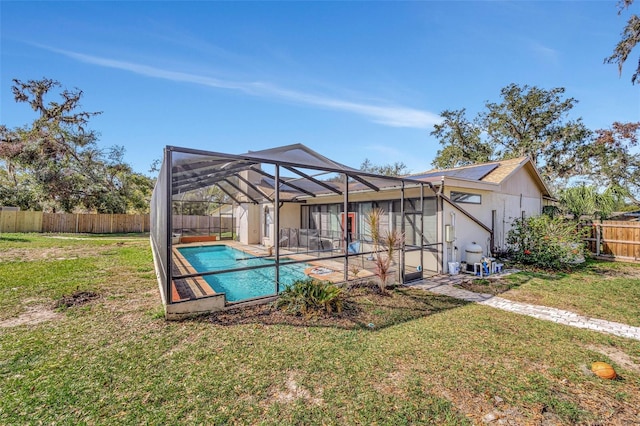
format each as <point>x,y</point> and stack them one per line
<point>454,249</point>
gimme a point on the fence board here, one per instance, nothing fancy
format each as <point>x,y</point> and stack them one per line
<point>59,222</point>
<point>27,221</point>
<point>618,239</point>
<point>8,221</point>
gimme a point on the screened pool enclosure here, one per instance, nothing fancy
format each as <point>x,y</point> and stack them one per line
<point>229,229</point>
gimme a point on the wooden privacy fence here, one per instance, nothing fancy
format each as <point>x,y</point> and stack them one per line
<point>618,239</point>
<point>202,224</point>
<point>27,221</point>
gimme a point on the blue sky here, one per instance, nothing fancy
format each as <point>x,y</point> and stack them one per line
<point>351,80</point>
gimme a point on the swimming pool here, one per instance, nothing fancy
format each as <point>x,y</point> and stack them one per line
<point>241,285</point>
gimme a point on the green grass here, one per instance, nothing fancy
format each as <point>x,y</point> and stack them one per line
<point>606,290</point>
<point>428,360</point>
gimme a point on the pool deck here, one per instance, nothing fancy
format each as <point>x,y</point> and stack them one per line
<point>196,288</point>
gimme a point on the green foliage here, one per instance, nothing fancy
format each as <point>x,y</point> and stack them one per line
<point>311,297</point>
<point>528,121</point>
<point>630,38</point>
<point>545,242</point>
<point>55,163</point>
<point>461,141</point>
<point>612,159</point>
<point>586,200</point>
<point>396,169</point>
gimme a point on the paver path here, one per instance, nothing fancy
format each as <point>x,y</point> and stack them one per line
<point>444,285</point>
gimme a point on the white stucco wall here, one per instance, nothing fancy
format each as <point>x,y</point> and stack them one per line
<point>517,195</point>
<point>248,223</point>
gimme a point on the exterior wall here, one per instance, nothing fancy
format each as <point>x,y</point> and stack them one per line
<point>465,232</point>
<point>289,218</point>
<point>290,215</point>
<point>248,223</point>
<point>518,195</point>
<point>500,205</point>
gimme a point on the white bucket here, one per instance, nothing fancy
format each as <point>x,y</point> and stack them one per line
<point>454,268</point>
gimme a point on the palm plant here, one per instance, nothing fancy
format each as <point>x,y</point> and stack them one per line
<point>384,245</point>
<point>586,200</point>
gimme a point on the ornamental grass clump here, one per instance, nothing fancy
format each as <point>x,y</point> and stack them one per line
<point>311,297</point>
<point>547,243</point>
<point>385,244</point>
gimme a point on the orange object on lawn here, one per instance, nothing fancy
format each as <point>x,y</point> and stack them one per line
<point>603,370</point>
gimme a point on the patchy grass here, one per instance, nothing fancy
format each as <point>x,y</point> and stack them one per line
<point>427,359</point>
<point>606,290</point>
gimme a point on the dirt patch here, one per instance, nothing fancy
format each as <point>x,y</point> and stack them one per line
<point>620,271</point>
<point>293,392</point>
<point>50,253</point>
<point>617,356</point>
<point>33,315</point>
<point>488,286</point>
<point>364,307</point>
<point>78,298</point>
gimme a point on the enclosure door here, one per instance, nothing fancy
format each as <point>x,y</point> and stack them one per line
<point>413,264</point>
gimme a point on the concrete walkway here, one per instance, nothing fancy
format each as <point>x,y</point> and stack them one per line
<point>444,284</point>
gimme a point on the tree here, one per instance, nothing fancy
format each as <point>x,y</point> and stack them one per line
<point>56,160</point>
<point>533,122</point>
<point>461,141</point>
<point>396,169</point>
<point>630,38</point>
<point>609,158</point>
<point>529,121</point>
<point>583,200</point>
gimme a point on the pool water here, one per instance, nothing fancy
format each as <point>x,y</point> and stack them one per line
<point>241,285</point>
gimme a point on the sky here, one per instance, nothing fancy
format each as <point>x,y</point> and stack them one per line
<point>351,80</point>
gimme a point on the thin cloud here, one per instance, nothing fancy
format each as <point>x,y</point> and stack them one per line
<point>395,116</point>
<point>386,150</point>
<point>544,51</point>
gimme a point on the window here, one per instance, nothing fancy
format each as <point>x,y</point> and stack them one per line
<point>464,197</point>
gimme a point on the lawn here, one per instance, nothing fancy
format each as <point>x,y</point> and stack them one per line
<point>411,357</point>
<point>601,289</point>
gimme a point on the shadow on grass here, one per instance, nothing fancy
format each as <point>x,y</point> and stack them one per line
<point>365,309</point>
<point>14,239</point>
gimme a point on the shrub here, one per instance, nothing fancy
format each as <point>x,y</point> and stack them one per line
<point>310,297</point>
<point>546,242</point>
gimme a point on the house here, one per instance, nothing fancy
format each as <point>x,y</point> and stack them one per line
<point>299,206</point>
<point>480,203</point>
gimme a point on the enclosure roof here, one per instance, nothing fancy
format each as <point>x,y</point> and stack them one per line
<point>244,179</point>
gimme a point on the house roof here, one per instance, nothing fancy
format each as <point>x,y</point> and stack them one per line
<point>495,172</point>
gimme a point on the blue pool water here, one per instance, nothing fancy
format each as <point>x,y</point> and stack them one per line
<point>241,285</point>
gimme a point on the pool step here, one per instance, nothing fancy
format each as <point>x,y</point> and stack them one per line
<point>187,288</point>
